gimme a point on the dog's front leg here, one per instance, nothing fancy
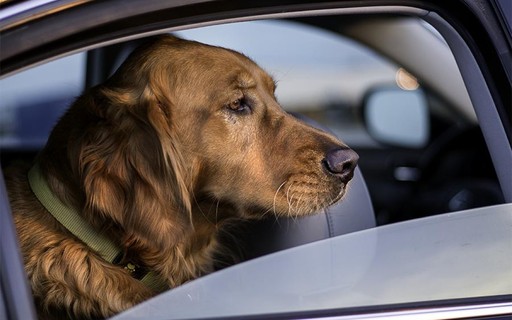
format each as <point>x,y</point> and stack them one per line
<point>83,286</point>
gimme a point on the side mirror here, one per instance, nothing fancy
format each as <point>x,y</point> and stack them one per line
<point>397,117</point>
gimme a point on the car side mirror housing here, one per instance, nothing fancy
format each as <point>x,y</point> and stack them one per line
<point>397,117</point>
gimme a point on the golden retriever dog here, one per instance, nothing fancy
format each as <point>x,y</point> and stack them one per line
<point>182,140</point>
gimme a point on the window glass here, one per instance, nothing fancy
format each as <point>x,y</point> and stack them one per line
<point>33,100</point>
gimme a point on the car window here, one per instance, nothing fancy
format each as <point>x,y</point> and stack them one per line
<point>420,155</point>
<point>34,99</point>
<point>410,159</point>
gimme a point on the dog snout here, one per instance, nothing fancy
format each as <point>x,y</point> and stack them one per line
<point>342,163</point>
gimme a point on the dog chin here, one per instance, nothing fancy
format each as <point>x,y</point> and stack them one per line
<point>340,195</point>
<point>330,201</point>
<point>306,207</point>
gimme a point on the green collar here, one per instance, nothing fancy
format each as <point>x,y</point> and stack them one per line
<point>78,226</point>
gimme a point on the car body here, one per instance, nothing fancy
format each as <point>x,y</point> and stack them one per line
<point>370,268</point>
<point>435,264</point>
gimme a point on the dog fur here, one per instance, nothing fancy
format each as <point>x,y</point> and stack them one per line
<point>182,140</point>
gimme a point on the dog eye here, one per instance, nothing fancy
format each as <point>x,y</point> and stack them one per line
<point>239,106</point>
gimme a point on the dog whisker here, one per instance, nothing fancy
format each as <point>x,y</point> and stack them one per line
<point>288,198</point>
<point>294,211</point>
<point>270,211</point>
<point>217,212</point>
<point>275,196</point>
<point>301,207</point>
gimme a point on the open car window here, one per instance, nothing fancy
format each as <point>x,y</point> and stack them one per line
<point>411,168</point>
<point>422,154</point>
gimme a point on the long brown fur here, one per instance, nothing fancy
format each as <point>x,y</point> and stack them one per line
<point>159,158</point>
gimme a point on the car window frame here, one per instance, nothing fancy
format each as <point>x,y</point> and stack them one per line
<point>480,94</point>
<point>16,297</point>
<point>468,308</point>
<point>491,99</point>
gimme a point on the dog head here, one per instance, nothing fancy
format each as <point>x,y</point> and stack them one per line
<point>181,123</point>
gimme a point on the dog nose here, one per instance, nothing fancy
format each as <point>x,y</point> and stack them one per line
<point>342,163</point>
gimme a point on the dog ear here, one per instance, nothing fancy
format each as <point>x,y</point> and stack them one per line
<point>132,168</point>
